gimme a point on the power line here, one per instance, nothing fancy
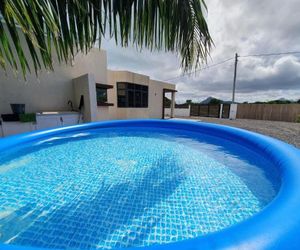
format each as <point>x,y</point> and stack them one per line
<point>207,67</point>
<point>272,54</point>
<point>229,59</point>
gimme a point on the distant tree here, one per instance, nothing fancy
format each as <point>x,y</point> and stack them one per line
<point>188,101</point>
<point>167,102</point>
<point>279,102</point>
<point>298,101</point>
<point>245,102</point>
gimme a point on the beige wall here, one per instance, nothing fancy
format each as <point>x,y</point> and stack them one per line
<point>125,113</point>
<point>52,90</point>
<point>85,85</point>
<point>155,103</point>
<point>103,114</point>
<point>156,97</point>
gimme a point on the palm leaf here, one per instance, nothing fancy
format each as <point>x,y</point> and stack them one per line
<point>66,27</point>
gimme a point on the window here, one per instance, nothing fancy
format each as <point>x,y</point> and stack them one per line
<point>101,94</point>
<point>132,95</point>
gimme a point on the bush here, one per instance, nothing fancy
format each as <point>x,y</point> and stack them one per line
<point>31,117</point>
<point>298,119</point>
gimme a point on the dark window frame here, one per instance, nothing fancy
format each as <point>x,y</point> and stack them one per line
<point>132,95</point>
<point>105,97</point>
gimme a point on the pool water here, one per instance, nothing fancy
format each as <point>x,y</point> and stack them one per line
<point>125,187</point>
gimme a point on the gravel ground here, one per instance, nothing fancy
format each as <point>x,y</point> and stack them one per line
<point>286,131</point>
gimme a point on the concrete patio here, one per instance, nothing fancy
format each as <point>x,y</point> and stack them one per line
<point>285,131</point>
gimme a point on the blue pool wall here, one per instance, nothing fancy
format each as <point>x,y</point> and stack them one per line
<point>277,226</point>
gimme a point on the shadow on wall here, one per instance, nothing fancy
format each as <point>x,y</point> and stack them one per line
<point>89,221</point>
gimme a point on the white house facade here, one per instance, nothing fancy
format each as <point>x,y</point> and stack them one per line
<point>85,91</point>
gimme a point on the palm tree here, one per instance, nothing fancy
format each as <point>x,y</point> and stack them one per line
<point>66,27</point>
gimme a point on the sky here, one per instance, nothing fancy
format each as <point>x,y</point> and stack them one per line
<point>245,27</point>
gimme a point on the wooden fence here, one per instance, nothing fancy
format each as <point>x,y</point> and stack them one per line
<point>177,106</point>
<point>210,110</point>
<point>273,112</point>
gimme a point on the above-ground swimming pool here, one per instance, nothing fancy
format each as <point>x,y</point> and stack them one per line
<point>148,183</point>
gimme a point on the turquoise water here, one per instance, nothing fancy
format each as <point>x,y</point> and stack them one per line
<point>113,188</point>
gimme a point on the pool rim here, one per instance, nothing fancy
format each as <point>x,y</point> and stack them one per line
<point>274,227</point>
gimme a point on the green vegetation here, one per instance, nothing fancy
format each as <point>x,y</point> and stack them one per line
<point>30,117</point>
<point>279,101</point>
<point>212,100</point>
<point>276,102</point>
<point>68,27</point>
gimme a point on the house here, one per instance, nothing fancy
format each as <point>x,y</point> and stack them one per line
<point>56,96</point>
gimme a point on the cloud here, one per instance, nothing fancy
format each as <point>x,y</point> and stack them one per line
<point>245,27</point>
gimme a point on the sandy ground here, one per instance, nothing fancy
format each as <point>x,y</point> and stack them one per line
<point>286,131</point>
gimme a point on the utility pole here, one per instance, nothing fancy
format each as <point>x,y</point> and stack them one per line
<point>234,77</point>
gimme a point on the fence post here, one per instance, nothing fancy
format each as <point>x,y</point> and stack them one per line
<point>232,111</point>
<point>221,111</point>
<point>208,110</point>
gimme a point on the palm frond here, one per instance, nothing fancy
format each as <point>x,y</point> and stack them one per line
<point>66,27</point>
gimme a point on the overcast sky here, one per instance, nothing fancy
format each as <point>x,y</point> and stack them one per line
<point>242,26</point>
